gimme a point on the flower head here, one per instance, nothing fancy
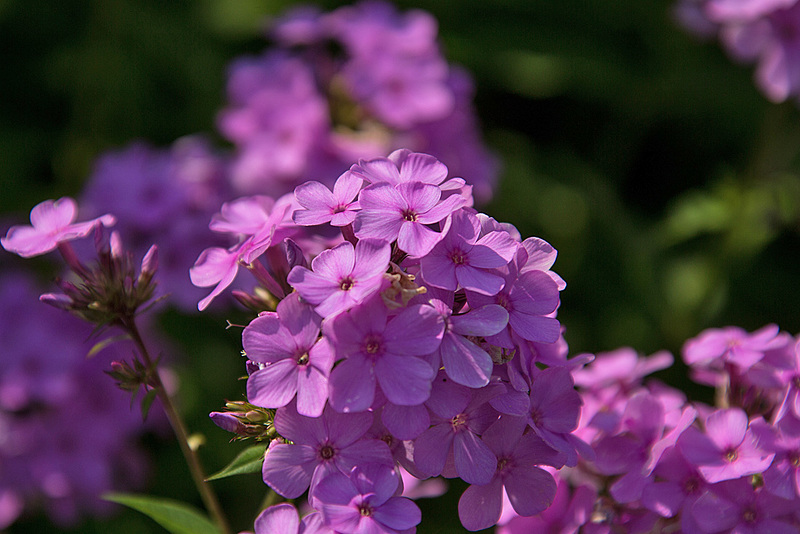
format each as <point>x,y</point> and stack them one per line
<point>52,223</point>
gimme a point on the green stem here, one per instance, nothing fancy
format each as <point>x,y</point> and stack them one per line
<point>192,459</point>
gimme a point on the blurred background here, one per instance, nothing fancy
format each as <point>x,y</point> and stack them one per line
<point>647,157</point>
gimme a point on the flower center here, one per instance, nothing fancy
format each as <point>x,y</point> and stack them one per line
<point>458,422</point>
<point>373,344</point>
<point>410,215</point>
<point>503,463</point>
<point>749,515</point>
<point>691,485</point>
<point>303,358</point>
<point>365,509</point>
<point>796,381</point>
<point>458,257</point>
<point>794,459</point>
<point>326,452</point>
<point>731,455</point>
<point>346,283</point>
<point>536,417</point>
<point>339,209</point>
<point>503,300</point>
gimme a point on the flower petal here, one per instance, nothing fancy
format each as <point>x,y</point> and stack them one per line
<point>405,380</point>
<point>464,362</point>
<point>352,385</point>
<point>479,506</point>
<point>273,386</point>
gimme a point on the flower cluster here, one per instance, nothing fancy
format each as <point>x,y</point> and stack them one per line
<point>422,336</point>
<point>357,82</point>
<point>334,87</point>
<point>766,32</point>
<point>67,436</point>
<point>663,463</point>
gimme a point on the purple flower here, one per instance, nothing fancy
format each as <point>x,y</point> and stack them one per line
<point>530,299</point>
<point>465,362</point>
<point>731,344</point>
<point>565,515</point>
<point>791,379</point>
<point>383,352</point>
<point>364,501</point>
<point>298,362</point>
<point>400,167</point>
<point>283,519</point>
<point>217,266</point>
<point>735,506</point>
<point>530,489</point>
<point>402,212</point>
<point>343,276</point>
<point>730,448</point>
<point>783,476</point>
<point>321,445</point>
<point>52,223</point>
<point>457,421</point>
<point>67,433</point>
<point>278,120</point>
<point>554,410</point>
<point>463,257</point>
<point>676,486</point>
<point>321,206</point>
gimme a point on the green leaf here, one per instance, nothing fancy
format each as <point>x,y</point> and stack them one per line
<point>248,461</point>
<point>175,516</point>
<point>147,402</point>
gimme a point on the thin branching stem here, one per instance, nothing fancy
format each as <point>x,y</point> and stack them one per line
<point>207,493</point>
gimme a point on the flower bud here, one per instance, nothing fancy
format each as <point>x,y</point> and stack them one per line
<point>57,300</point>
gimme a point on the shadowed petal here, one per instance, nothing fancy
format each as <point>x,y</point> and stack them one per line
<point>475,462</point>
<point>352,385</point>
<point>431,449</point>
<point>288,468</point>
<point>274,386</point>
<point>466,363</point>
<point>479,281</point>
<point>484,321</point>
<point>416,331</point>
<point>405,380</point>
<point>480,506</point>
<point>398,513</point>
<point>530,490</point>
<point>405,422</point>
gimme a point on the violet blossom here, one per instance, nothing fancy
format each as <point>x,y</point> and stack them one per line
<point>296,361</point>
<point>52,223</point>
<point>383,351</point>
<point>343,276</point>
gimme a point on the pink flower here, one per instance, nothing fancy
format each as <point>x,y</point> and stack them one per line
<point>343,276</point>
<point>321,205</point>
<point>52,223</point>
